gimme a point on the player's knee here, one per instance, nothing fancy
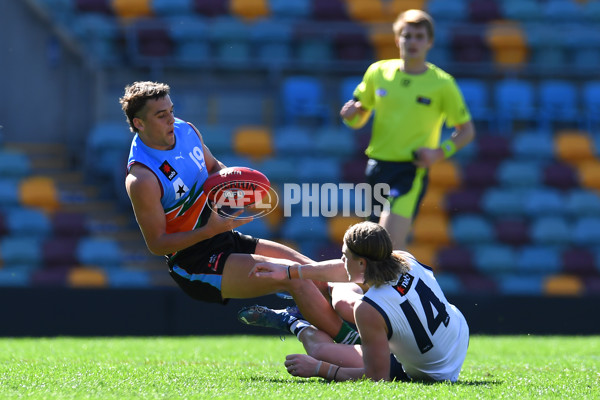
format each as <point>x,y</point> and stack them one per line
<point>344,308</point>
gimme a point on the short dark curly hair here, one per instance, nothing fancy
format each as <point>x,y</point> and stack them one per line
<point>137,94</point>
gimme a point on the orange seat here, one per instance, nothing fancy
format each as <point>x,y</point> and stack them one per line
<point>368,11</point>
<point>426,253</point>
<point>563,285</point>
<point>589,174</point>
<point>39,191</point>
<point>573,146</point>
<point>249,9</point>
<point>338,225</point>
<point>396,7</point>
<point>508,43</point>
<point>132,8</point>
<point>431,229</point>
<point>384,44</point>
<point>87,277</point>
<point>254,142</point>
<point>433,202</point>
<point>444,175</point>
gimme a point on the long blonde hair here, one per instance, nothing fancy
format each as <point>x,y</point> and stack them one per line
<point>372,242</point>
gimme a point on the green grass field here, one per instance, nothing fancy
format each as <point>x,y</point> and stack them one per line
<point>236,367</point>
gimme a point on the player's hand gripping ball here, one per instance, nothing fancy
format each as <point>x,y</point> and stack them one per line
<point>235,188</point>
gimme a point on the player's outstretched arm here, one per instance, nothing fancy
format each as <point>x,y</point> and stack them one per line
<point>325,271</point>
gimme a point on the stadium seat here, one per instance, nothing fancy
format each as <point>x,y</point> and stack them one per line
<point>15,277</point>
<point>477,96</point>
<point>318,169</point>
<point>39,191</point>
<point>525,174</point>
<point>574,147</point>
<point>189,34</point>
<point>352,44</point>
<point>372,11</point>
<point>99,252</point>
<point>503,202</point>
<point>338,225</point>
<point>14,164</point>
<point>304,228</point>
<point>59,251</point>
<point>589,174</point>
<point>254,142</point>
<point>441,10</point>
<point>507,41</point>
<point>9,192</point>
<point>580,262</point>
<point>469,229</point>
<point>563,285</point>
<point>483,11</point>
<point>538,259</point>
<point>211,8</point>
<point>172,7</point>
<point>581,203</point>
<point>278,169</point>
<point>272,41</point>
<point>28,222</point>
<point>128,278</point>
<point>53,277</point>
<point>431,229</point>
<point>24,250</point>
<point>258,228</point>
<point>560,175</point>
<point>546,44</point>
<point>533,146</point>
<point>92,6</point>
<point>85,277</point>
<point>550,230</point>
<point>590,97</point>
<point>395,7</point>
<point>383,43</point>
<point>480,174</point>
<point>132,8</point>
<point>586,231</point>
<point>521,285</point>
<point>303,97</point>
<point>562,10</point>
<point>467,200</point>
<point>295,10</point>
<point>313,46</point>
<point>353,170</point>
<point>544,201</point>
<point>293,140</point>
<point>426,253</point>
<point>347,87</point>
<point>231,41</point>
<point>513,231</point>
<point>456,259</point>
<point>493,147</point>
<point>249,9</point>
<point>334,141</point>
<point>449,283</point>
<point>445,175</point>
<point>515,102</point>
<point>557,103</point>
<point>522,10</point>
<point>494,259</point>
<point>433,202</point>
<point>100,35</point>
<point>331,10</point>
<point>468,44</point>
<point>476,283</point>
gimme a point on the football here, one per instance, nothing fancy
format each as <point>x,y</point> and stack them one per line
<point>236,187</point>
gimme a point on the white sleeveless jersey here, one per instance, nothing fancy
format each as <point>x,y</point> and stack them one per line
<point>427,335</point>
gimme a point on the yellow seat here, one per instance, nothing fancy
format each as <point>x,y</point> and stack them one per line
<point>249,9</point>
<point>589,174</point>
<point>433,202</point>
<point>254,142</point>
<point>384,44</point>
<point>39,191</point>
<point>431,229</point>
<point>132,8</point>
<point>444,175</point>
<point>508,43</point>
<point>368,11</point>
<point>87,277</point>
<point>563,285</point>
<point>338,225</point>
<point>424,252</point>
<point>573,147</point>
<point>396,7</point>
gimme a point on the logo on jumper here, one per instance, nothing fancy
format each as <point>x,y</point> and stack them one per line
<point>180,188</point>
<point>404,283</point>
<point>213,261</point>
<point>424,100</point>
<point>380,92</point>
<point>169,171</point>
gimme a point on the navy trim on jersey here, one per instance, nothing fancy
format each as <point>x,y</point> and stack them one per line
<point>383,314</point>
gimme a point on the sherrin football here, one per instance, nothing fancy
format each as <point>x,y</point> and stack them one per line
<point>236,187</point>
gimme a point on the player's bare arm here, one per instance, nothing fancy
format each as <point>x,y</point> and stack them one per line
<point>375,346</point>
<point>462,135</point>
<point>144,191</point>
<point>324,271</point>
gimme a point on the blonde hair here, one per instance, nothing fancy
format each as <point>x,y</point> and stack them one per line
<point>372,242</point>
<point>414,17</point>
<point>137,95</point>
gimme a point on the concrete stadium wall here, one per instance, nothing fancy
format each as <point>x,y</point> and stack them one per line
<point>36,312</point>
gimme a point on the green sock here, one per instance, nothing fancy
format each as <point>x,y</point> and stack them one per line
<point>347,335</point>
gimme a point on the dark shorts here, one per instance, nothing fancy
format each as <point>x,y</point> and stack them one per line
<point>407,185</point>
<point>198,270</point>
<point>396,371</point>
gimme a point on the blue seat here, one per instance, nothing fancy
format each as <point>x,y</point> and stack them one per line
<point>518,284</point>
<point>581,202</point>
<point>231,40</point>
<point>442,10</point>
<point>300,228</point>
<point>591,11</point>
<point>449,283</point>
<point>14,164</point>
<point>257,228</point>
<point>28,222</point>
<point>503,201</point>
<point>293,140</point>
<point>303,97</point>
<point>190,34</point>
<point>9,192</point>
<point>477,97</point>
<point>318,170</point>
<point>586,231</point>
<point>21,250</point>
<point>533,145</point>
<point>514,101</point>
<point>108,142</point>
<point>332,141</point>
<point>99,252</point>
<point>294,10</point>
<point>494,259</point>
<point>15,277</point>
<point>550,230</point>
<point>522,10</point>
<point>471,229</point>
<point>562,10</point>
<point>172,7</point>
<point>128,278</point>
<point>218,138</point>
<point>100,35</point>
<point>590,98</point>
<point>544,201</point>
<point>347,87</point>
<point>519,173</point>
<point>557,103</point>
<point>538,259</point>
<point>278,169</point>
<point>272,40</point>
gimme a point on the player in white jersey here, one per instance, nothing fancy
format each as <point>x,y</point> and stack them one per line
<point>403,313</point>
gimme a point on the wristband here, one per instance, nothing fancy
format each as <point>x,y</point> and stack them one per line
<point>336,371</point>
<point>318,368</point>
<point>448,148</point>
<point>300,272</point>
<point>353,121</point>
<point>288,272</point>
<point>329,371</point>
